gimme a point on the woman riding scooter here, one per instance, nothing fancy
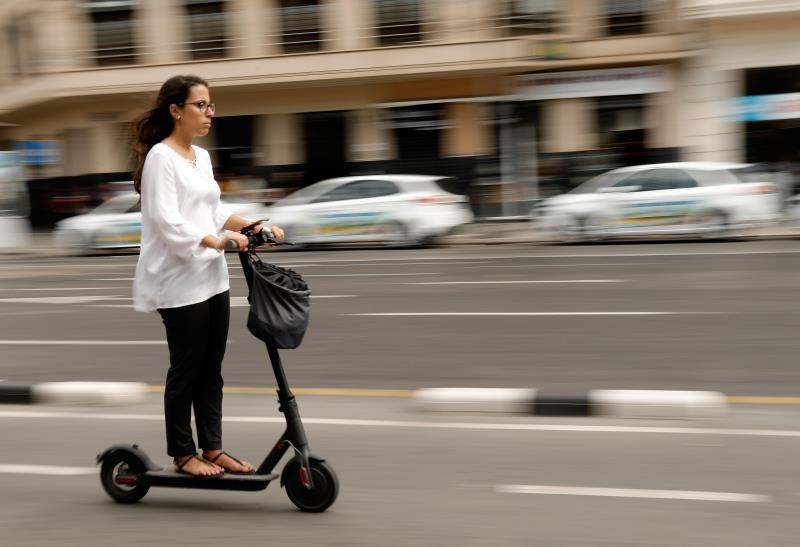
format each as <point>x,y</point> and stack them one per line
<point>182,272</point>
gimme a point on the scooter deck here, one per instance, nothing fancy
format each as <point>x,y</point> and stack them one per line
<point>227,481</point>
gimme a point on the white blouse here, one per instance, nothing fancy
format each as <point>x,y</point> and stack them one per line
<point>180,207</point>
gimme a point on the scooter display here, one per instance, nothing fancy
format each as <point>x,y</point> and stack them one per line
<point>127,473</point>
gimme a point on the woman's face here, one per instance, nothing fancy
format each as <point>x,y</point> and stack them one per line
<point>195,114</point>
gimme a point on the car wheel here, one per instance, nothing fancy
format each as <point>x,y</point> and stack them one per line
<point>712,224</point>
<point>394,234</point>
<point>576,230</point>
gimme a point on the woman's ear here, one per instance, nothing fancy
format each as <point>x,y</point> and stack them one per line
<point>173,110</point>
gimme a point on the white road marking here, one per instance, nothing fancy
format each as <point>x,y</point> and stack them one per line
<point>631,493</point>
<point>570,265</point>
<point>59,265</point>
<point>38,312</point>
<point>241,301</point>
<point>534,314</point>
<point>371,274</point>
<point>236,301</point>
<point>515,282</point>
<point>677,254</point>
<point>47,470</point>
<point>487,426</point>
<point>299,265</point>
<point>61,289</point>
<point>82,342</point>
<point>58,299</point>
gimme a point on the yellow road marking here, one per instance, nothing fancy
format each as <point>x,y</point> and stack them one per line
<point>756,400</point>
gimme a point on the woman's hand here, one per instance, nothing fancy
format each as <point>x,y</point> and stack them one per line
<point>240,239</point>
<point>274,230</point>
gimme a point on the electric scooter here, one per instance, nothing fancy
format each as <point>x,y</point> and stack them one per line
<point>127,473</point>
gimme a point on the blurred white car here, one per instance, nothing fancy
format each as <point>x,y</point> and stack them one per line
<point>701,199</point>
<point>395,210</point>
<point>117,224</point>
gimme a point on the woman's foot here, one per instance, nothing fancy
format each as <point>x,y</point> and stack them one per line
<point>196,467</point>
<point>227,462</point>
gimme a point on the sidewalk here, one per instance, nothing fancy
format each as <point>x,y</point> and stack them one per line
<point>478,233</point>
<point>471,234</point>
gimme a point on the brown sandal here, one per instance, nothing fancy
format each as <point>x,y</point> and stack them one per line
<point>223,453</point>
<point>179,467</point>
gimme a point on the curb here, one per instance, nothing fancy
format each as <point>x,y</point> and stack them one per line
<point>596,402</point>
<point>73,393</point>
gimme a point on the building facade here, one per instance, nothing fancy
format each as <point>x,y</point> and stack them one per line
<point>515,99</point>
<point>743,92</point>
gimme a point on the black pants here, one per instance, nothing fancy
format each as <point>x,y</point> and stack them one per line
<point>196,335</point>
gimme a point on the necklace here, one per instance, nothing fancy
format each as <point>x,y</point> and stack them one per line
<point>192,162</point>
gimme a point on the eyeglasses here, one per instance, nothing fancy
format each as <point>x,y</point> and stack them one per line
<point>203,106</point>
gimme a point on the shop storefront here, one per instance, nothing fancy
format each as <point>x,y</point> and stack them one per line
<point>590,121</point>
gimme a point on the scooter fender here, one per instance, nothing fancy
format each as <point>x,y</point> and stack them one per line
<point>133,450</point>
<point>311,458</point>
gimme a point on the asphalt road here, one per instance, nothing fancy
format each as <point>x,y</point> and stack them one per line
<point>410,479</point>
<point>665,316</point>
<point>715,316</point>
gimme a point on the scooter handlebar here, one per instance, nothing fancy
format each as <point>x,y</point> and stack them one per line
<point>254,239</point>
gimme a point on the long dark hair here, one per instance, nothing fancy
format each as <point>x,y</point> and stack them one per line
<point>157,124</point>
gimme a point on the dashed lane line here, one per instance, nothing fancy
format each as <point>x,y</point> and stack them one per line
<point>631,493</point>
<point>59,299</point>
<point>534,314</point>
<point>58,470</point>
<point>60,289</point>
<point>83,342</point>
<point>515,282</point>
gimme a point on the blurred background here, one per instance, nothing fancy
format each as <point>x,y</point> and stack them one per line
<point>445,115</point>
<point>516,100</point>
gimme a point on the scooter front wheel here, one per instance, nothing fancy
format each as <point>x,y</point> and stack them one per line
<point>318,498</point>
<point>120,478</point>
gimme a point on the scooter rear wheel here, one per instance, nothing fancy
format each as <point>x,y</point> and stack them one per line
<point>120,478</point>
<point>318,498</point>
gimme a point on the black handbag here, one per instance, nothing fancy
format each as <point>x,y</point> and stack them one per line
<point>279,305</point>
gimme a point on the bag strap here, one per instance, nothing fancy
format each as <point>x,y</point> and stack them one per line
<point>254,259</point>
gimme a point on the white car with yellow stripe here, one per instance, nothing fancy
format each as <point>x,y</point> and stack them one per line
<point>117,224</point>
<point>393,210</point>
<point>669,199</point>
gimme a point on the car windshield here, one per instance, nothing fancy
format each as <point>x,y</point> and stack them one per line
<point>598,182</point>
<point>116,205</point>
<point>305,194</point>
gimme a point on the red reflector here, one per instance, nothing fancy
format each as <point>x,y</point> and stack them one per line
<point>758,189</point>
<point>304,476</point>
<point>125,480</point>
<point>437,199</point>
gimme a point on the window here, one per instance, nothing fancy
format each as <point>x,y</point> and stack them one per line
<point>626,16</point>
<point>300,25</point>
<point>207,39</point>
<point>114,29</point>
<point>399,21</point>
<point>20,43</point>
<point>659,179</point>
<point>360,189</point>
<point>526,17</point>
<point>621,126</point>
